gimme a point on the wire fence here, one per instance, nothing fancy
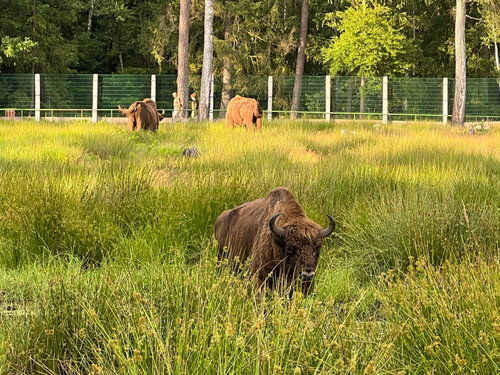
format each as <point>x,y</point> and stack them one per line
<point>77,95</point>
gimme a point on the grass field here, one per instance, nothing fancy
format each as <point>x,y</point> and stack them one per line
<point>107,257</point>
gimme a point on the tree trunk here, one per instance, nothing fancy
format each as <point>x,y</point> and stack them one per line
<point>336,6</point>
<point>121,62</point>
<point>226,71</point>
<point>458,116</point>
<point>497,62</point>
<point>34,39</point>
<point>91,15</point>
<point>206,71</point>
<point>183,56</point>
<point>301,59</point>
<point>362,105</point>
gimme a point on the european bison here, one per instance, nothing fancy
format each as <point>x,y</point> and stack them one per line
<point>142,115</point>
<point>274,234</point>
<point>246,111</point>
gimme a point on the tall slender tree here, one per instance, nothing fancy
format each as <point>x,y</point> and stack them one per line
<point>34,33</point>
<point>301,59</point>
<point>226,69</point>
<point>208,48</point>
<point>183,55</point>
<point>458,116</point>
<point>90,17</point>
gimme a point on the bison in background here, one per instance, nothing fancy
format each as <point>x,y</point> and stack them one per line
<point>142,115</point>
<point>245,111</point>
<point>274,234</point>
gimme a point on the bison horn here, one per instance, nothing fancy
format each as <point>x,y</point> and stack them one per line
<point>276,229</point>
<point>327,231</point>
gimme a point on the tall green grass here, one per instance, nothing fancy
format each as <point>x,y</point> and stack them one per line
<point>107,253</point>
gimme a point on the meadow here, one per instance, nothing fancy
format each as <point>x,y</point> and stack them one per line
<point>108,261</point>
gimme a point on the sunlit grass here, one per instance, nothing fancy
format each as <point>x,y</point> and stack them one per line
<point>107,258</point>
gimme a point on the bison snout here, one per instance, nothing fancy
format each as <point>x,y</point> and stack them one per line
<point>308,275</point>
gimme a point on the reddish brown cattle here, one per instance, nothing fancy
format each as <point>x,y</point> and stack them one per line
<point>245,111</point>
<point>142,115</point>
<point>277,238</point>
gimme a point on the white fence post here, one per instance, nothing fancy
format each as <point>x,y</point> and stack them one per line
<point>385,99</point>
<point>269,98</point>
<point>445,101</point>
<point>153,87</point>
<point>328,97</point>
<point>95,88</point>
<point>211,111</point>
<point>37,97</point>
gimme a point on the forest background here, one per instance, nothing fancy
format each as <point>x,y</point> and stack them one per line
<point>259,37</point>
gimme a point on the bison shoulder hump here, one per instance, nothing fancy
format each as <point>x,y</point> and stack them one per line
<point>280,191</point>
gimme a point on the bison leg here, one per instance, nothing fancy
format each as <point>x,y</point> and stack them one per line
<point>248,122</point>
<point>131,123</point>
<point>258,123</point>
<point>140,125</point>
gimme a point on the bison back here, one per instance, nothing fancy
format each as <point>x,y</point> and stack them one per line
<point>236,230</point>
<point>149,115</point>
<point>233,110</point>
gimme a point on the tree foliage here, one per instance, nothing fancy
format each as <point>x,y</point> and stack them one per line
<point>141,36</point>
<point>369,44</point>
<point>18,49</point>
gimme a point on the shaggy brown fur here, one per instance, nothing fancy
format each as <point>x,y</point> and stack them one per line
<point>142,115</point>
<point>243,234</point>
<point>246,111</point>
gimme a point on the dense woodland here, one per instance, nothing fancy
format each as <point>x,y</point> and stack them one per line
<point>259,37</point>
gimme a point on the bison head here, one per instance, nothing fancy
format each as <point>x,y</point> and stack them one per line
<point>161,115</point>
<point>301,243</point>
<point>257,114</point>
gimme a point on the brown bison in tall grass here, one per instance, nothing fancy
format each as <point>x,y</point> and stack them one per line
<point>275,236</point>
<point>142,115</point>
<point>245,111</point>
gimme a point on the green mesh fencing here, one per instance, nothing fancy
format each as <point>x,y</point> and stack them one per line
<point>411,98</point>
<point>312,96</point>
<point>353,96</point>
<point>219,112</point>
<point>17,91</point>
<point>166,84</point>
<point>483,98</point>
<point>69,94</point>
<point>121,89</point>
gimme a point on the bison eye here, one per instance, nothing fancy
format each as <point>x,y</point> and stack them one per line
<point>290,250</point>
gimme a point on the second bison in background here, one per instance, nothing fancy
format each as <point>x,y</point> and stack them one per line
<point>274,234</point>
<point>142,115</point>
<point>244,111</point>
